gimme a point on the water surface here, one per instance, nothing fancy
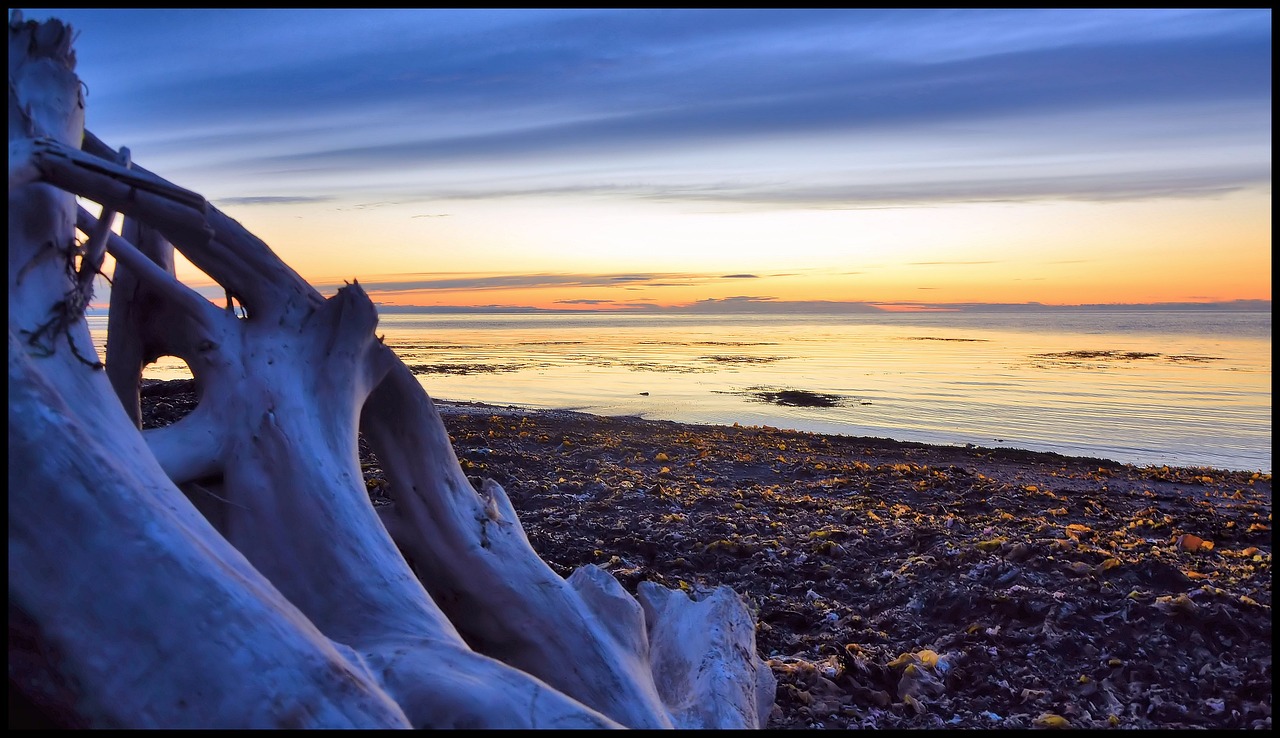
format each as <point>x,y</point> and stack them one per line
<point>1186,388</point>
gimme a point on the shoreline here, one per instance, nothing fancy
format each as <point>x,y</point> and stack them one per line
<point>454,407</point>
<point>447,407</point>
<point>901,584</point>
<point>1057,449</point>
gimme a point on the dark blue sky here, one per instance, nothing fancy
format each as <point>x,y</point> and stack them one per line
<point>714,110</point>
<point>281,93</point>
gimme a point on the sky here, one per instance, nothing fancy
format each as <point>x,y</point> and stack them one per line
<point>629,159</point>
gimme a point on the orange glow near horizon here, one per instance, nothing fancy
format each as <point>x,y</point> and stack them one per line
<point>621,256</point>
<point>609,159</point>
<point>1205,249</point>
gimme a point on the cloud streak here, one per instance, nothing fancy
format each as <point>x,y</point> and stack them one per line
<point>478,282</point>
<point>272,200</point>
<point>849,97</point>
<point>1180,99</point>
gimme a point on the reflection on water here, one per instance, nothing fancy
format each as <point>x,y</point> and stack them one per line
<point>1181,388</point>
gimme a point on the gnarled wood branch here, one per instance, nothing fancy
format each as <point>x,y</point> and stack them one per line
<point>280,597</point>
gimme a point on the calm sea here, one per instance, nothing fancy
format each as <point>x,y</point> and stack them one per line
<point>1184,388</point>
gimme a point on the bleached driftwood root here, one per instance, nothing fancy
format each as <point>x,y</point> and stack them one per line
<point>585,636</point>
<point>273,594</point>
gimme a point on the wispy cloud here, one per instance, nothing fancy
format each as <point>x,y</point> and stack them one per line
<point>736,300</point>
<point>1090,104</point>
<point>819,90</point>
<point>272,200</point>
<point>476,282</point>
<point>1004,183</point>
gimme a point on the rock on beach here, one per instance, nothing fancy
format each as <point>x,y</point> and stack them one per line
<point>903,585</point>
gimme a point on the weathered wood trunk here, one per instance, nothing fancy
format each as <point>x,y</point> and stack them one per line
<point>271,594</point>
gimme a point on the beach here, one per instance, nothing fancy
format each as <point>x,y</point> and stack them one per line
<point>906,585</point>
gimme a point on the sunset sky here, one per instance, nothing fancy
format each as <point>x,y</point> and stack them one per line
<point>615,159</point>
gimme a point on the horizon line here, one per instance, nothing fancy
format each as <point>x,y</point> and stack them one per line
<point>733,305</point>
<point>747,305</point>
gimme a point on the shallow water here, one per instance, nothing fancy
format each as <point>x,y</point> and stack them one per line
<point>1186,388</point>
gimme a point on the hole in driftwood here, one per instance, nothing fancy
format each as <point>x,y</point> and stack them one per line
<point>165,402</point>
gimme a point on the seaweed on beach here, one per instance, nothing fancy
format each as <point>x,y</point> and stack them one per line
<point>464,368</point>
<point>650,366</point>
<point>1075,357</point>
<point>904,585</point>
<point>410,346</point>
<point>1098,355</point>
<point>723,359</point>
<point>793,397</point>
<point>706,343</point>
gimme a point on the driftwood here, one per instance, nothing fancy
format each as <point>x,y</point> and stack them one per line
<point>229,570</point>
